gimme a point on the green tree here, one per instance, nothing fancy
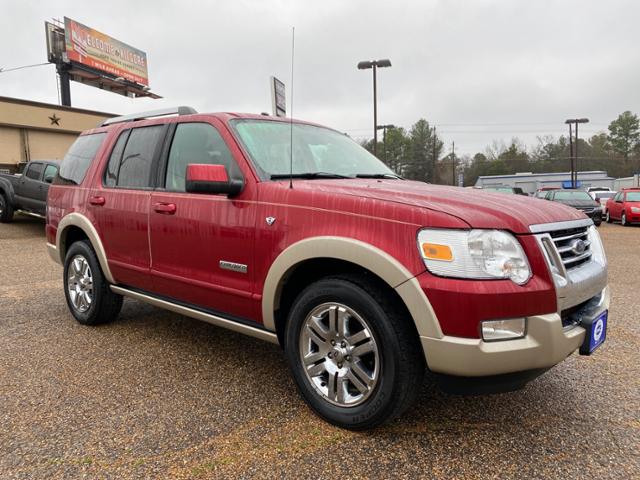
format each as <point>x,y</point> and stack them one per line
<point>422,144</point>
<point>624,134</point>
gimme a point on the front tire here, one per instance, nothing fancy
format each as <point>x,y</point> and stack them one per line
<point>623,220</point>
<point>88,295</point>
<point>608,217</point>
<point>354,355</point>
<point>6,209</point>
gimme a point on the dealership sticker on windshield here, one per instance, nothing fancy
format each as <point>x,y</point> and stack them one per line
<point>596,332</point>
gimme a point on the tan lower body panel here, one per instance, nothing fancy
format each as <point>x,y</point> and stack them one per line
<point>545,345</point>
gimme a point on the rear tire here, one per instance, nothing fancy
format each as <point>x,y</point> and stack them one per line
<point>354,355</point>
<point>6,209</point>
<point>88,295</point>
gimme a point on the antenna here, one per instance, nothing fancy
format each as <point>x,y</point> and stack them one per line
<point>293,43</point>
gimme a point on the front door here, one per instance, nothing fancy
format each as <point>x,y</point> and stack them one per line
<point>30,187</point>
<point>120,206</point>
<point>202,244</point>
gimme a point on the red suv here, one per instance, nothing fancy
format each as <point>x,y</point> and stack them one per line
<point>293,233</point>
<point>625,206</point>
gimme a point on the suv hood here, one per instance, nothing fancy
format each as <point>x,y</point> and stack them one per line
<point>477,208</point>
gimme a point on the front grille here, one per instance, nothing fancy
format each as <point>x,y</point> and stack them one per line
<point>586,209</point>
<point>568,243</point>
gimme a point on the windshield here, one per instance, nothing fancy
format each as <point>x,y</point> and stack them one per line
<point>315,150</point>
<point>633,196</point>
<point>572,195</point>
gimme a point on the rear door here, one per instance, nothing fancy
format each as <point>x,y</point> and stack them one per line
<point>120,205</point>
<point>202,244</point>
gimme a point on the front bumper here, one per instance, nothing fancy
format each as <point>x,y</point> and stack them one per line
<point>581,294</point>
<point>547,343</point>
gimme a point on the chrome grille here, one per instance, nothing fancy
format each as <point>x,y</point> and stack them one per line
<point>573,246</point>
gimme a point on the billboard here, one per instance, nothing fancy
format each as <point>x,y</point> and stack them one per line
<point>278,100</point>
<point>101,52</point>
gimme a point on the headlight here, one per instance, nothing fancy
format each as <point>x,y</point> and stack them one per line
<point>597,249</point>
<point>478,254</point>
<point>635,209</point>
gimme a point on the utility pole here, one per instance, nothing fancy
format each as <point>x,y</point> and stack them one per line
<point>571,154</point>
<point>453,162</point>
<point>384,138</point>
<point>574,151</point>
<point>434,159</point>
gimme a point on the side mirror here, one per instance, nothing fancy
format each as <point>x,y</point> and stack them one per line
<point>205,178</point>
<point>48,179</point>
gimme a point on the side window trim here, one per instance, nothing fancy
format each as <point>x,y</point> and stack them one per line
<point>127,133</point>
<point>163,159</point>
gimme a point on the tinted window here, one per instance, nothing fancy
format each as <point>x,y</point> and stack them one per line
<point>34,171</point>
<point>111,173</point>
<point>76,162</point>
<point>50,172</point>
<point>196,143</point>
<point>135,166</point>
<point>618,197</point>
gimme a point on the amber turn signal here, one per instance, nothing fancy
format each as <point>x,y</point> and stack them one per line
<point>435,251</point>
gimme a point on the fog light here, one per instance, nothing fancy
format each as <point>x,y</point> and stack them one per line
<point>494,330</point>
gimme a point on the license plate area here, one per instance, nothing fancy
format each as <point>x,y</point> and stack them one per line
<point>595,332</point>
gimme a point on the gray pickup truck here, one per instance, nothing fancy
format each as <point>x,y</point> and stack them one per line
<point>26,192</point>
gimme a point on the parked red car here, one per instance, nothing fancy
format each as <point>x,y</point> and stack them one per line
<point>625,207</point>
<point>293,233</point>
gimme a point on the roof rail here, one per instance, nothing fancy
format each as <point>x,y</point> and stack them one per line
<point>153,113</point>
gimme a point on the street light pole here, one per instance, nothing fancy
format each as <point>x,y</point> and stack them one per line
<point>374,64</point>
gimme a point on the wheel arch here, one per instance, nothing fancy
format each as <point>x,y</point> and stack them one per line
<point>353,255</point>
<point>74,227</point>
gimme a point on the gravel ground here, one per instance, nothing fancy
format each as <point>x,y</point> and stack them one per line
<point>157,395</point>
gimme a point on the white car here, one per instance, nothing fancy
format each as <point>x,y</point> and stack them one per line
<point>593,190</point>
<point>602,197</point>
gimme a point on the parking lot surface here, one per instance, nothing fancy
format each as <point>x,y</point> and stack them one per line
<point>157,395</point>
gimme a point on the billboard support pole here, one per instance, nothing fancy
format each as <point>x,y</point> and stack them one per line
<point>65,84</point>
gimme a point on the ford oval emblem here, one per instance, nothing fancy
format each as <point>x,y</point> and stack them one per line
<point>578,246</point>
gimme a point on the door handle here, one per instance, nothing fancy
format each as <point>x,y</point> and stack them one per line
<point>165,208</point>
<point>98,201</point>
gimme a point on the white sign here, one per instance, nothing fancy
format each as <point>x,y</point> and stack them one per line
<point>278,99</point>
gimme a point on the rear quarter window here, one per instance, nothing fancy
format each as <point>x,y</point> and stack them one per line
<point>76,162</point>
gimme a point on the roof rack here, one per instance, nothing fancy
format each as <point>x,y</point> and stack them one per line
<point>153,113</point>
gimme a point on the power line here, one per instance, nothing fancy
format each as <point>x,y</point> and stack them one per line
<point>4,70</point>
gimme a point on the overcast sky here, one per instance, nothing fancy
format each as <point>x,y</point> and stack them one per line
<point>479,70</point>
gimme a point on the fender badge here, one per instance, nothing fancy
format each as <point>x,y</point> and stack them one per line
<point>270,220</point>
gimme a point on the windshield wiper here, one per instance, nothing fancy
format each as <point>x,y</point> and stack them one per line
<point>307,175</point>
<point>379,175</point>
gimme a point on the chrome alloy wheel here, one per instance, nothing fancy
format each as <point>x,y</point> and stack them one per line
<point>80,283</point>
<point>339,354</point>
